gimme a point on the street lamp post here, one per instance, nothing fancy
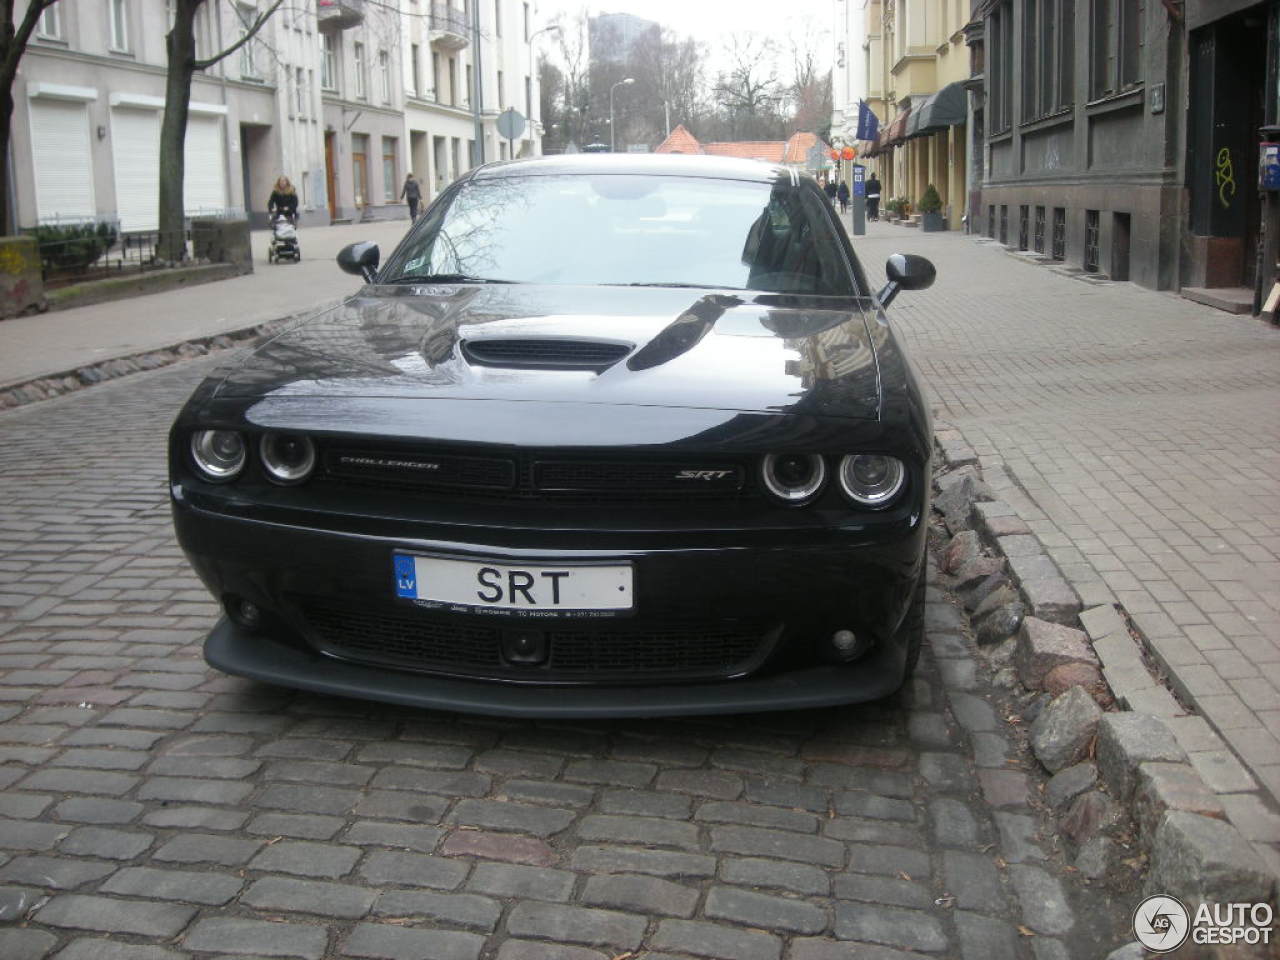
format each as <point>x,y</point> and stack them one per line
<point>666,112</point>
<point>613,146</point>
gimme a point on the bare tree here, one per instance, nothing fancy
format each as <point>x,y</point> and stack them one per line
<point>572,44</point>
<point>180,43</point>
<point>13,44</point>
<point>748,91</point>
<point>809,93</point>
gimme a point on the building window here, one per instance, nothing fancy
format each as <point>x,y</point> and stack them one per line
<point>415,74</point>
<point>300,90</point>
<point>502,92</point>
<point>119,16</point>
<point>389,176</point>
<point>1048,48</point>
<point>1059,250</point>
<point>1091,241</point>
<point>247,14</point>
<point>329,63</point>
<point>357,57</point>
<point>1000,61</point>
<point>497,17</point>
<point>49,27</point>
<point>435,76</point>
<point>526,23</point>
<point>384,75</point>
<point>1115,45</point>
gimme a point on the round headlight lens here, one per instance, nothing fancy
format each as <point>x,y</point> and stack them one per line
<point>793,477</point>
<point>872,480</point>
<point>219,454</point>
<point>287,457</point>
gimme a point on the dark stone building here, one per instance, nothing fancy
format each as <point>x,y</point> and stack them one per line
<point>1121,136</point>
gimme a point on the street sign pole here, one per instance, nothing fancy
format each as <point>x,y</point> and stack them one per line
<point>859,200</point>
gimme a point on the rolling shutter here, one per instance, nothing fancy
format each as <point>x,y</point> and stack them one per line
<point>135,142</point>
<point>205,189</point>
<point>61,157</point>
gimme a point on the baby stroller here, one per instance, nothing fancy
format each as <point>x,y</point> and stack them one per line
<point>284,241</point>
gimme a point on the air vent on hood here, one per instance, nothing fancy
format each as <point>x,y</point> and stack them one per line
<point>544,353</point>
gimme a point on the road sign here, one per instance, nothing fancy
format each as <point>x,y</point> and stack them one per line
<point>511,124</point>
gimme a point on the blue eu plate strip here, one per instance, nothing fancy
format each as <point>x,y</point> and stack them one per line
<point>406,577</point>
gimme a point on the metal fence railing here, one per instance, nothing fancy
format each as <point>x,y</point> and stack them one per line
<point>73,250</point>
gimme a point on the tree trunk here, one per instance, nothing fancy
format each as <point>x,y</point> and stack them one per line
<point>8,219</point>
<point>181,46</point>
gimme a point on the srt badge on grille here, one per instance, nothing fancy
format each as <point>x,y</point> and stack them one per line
<point>703,474</point>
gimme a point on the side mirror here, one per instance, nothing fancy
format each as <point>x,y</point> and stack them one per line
<point>360,259</point>
<point>905,271</point>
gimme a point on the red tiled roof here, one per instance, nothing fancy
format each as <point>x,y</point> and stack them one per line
<point>680,140</point>
<point>769,150</point>
<point>798,147</point>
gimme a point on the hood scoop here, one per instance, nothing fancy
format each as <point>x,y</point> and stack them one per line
<point>545,353</point>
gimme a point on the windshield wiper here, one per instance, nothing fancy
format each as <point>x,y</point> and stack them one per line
<point>445,278</point>
<point>662,283</point>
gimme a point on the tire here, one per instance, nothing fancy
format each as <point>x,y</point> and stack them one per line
<point>911,631</point>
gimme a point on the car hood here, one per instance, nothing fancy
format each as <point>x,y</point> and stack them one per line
<point>683,348</point>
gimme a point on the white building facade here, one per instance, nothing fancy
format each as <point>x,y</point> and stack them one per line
<point>343,97</point>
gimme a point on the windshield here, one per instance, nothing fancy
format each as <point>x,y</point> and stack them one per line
<point>630,230</point>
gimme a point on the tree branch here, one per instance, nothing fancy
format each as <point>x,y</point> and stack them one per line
<point>251,30</point>
<point>19,43</point>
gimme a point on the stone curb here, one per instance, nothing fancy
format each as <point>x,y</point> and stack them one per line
<point>53,385</point>
<point>1160,767</point>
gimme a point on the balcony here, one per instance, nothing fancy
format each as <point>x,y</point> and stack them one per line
<point>340,14</point>
<point>449,26</point>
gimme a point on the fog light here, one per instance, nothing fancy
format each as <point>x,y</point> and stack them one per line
<point>244,613</point>
<point>847,645</point>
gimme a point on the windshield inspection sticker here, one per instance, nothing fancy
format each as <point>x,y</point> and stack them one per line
<point>1162,924</point>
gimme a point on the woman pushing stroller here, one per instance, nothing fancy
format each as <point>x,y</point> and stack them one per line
<point>282,208</point>
<point>284,201</point>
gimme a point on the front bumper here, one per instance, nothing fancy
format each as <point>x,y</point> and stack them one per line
<point>794,587</point>
<point>234,651</point>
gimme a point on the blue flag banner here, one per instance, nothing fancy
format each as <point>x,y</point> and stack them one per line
<point>868,122</point>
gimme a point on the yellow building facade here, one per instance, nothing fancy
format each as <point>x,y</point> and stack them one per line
<point>913,53</point>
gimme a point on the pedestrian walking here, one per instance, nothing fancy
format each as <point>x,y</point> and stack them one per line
<point>829,188</point>
<point>873,198</point>
<point>842,194</point>
<point>412,192</point>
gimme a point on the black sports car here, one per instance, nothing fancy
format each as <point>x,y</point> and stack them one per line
<point>606,435</point>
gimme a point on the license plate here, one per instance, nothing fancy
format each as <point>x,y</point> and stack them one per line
<point>541,589</point>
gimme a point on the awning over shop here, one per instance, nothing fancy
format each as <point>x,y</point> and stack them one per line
<point>946,108</point>
<point>896,132</point>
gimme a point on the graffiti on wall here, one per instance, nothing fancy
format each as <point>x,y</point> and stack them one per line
<point>1224,177</point>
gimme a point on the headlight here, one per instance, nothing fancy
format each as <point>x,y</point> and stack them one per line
<point>287,457</point>
<point>793,477</point>
<point>219,454</point>
<point>872,480</point>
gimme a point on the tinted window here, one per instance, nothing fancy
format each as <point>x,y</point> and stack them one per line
<point>626,229</point>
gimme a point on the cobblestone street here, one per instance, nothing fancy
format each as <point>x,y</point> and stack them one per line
<point>1142,429</point>
<point>154,809</point>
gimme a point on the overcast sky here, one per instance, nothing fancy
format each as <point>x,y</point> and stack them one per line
<point>709,20</point>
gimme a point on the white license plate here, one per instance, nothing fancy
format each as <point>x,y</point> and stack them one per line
<point>541,588</point>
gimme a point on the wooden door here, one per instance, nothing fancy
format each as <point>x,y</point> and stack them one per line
<point>330,176</point>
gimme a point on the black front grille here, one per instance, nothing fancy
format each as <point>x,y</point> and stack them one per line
<point>529,475</point>
<point>548,353</point>
<point>619,653</point>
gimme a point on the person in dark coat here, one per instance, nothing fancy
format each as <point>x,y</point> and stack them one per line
<point>842,194</point>
<point>873,198</point>
<point>284,201</point>
<point>411,192</point>
<point>829,188</point>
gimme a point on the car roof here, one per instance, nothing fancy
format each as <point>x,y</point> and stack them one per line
<point>650,164</point>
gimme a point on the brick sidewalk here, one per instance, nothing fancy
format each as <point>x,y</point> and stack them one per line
<point>1146,431</point>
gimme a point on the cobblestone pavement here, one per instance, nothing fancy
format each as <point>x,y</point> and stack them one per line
<point>154,809</point>
<point>1145,430</point>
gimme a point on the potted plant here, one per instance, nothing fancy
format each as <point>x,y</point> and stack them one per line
<point>931,207</point>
